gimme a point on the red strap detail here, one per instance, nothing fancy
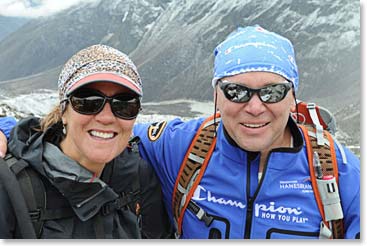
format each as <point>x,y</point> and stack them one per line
<point>304,112</point>
<point>312,173</point>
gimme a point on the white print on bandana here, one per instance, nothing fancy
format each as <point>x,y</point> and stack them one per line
<point>280,213</point>
<point>202,194</point>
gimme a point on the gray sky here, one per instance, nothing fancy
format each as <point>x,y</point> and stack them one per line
<point>35,8</point>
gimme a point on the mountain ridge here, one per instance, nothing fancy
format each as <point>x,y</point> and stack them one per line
<point>172,44</point>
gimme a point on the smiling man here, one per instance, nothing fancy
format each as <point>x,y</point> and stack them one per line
<point>236,187</point>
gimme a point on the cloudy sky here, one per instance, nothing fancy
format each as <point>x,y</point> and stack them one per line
<point>35,8</point>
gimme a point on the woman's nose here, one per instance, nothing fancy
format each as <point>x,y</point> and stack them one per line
<point>106,115</point>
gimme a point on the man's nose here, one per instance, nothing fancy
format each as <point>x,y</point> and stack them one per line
<point>255,106</point>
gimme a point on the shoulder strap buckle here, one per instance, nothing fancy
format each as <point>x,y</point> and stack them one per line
<point>200,213</point>
<point>122,202</point>
<point>35,215</point>
<point>325,232</point>
<point>133,144</point>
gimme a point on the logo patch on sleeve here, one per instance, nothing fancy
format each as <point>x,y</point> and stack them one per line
<point>155,130</point>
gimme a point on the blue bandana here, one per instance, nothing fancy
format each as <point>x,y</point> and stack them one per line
<point>253,49</point>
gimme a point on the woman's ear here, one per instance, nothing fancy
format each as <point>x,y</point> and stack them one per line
<point>64,124</point>
<point>64,118</point>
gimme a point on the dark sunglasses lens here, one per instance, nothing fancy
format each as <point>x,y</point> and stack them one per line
<point>125,106</point>
<point>86,102</point>
<point>273,93</point>
<point>236,93</point>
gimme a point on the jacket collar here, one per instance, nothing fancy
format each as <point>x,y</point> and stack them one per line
<point>85,192</point>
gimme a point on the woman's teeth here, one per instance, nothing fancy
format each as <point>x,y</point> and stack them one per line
<point>102,134</point>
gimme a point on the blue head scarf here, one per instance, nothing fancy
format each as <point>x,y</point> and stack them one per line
<point>253,49</point>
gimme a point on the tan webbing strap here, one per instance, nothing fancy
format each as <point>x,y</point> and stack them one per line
<point>316,122</point>
<point>329,166</point>
<point>192,168</point>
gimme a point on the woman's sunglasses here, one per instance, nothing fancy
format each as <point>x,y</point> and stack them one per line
<point>268,94</point>
<point>88,101</point>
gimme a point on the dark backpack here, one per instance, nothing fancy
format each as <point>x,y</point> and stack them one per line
<point>27,192</point>
<point>17,199</point>
<point>33,190</point>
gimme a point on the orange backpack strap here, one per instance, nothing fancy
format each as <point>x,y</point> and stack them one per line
<point>192,169</point>
<point>325,188</point>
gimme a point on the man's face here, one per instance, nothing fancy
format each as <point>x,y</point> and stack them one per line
<point>255,125</point>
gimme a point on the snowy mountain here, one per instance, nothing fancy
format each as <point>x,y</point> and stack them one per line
<point>172,42</point>
<point>10,24</point>
<point>42,101</point>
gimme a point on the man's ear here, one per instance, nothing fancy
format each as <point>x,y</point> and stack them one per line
<point>215,94</point>
<point>294,102</point>
<point>215,98</point>
<point>293,106</point>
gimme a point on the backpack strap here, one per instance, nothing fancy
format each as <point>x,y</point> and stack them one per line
<point>32,189</point>
<point>132,199</point>
<point>18,203</point>
<point>135,195</point>
<point>34,193</point>
<point>324,178</point>
<point>191,171</point>
<point>126,200</point>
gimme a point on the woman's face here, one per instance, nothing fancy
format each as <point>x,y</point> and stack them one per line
<point>94,140</point>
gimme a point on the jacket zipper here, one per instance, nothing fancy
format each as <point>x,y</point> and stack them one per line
<point>249,217</point>
<point>250,201</point>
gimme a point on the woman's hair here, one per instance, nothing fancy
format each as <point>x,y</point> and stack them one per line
<point>51,118</point>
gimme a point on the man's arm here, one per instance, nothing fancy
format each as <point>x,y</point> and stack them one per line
<point>6,125</point>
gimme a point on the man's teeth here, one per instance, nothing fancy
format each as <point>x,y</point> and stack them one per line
<point>254,125</point>
<point>101,134</point>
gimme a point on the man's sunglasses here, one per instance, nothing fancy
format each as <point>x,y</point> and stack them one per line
<point>268,94</point>
<point>88,101</point>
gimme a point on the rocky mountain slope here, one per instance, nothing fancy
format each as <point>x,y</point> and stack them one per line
<point>172,42</point>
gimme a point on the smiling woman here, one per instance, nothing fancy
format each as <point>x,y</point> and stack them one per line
<point>96,186</point>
